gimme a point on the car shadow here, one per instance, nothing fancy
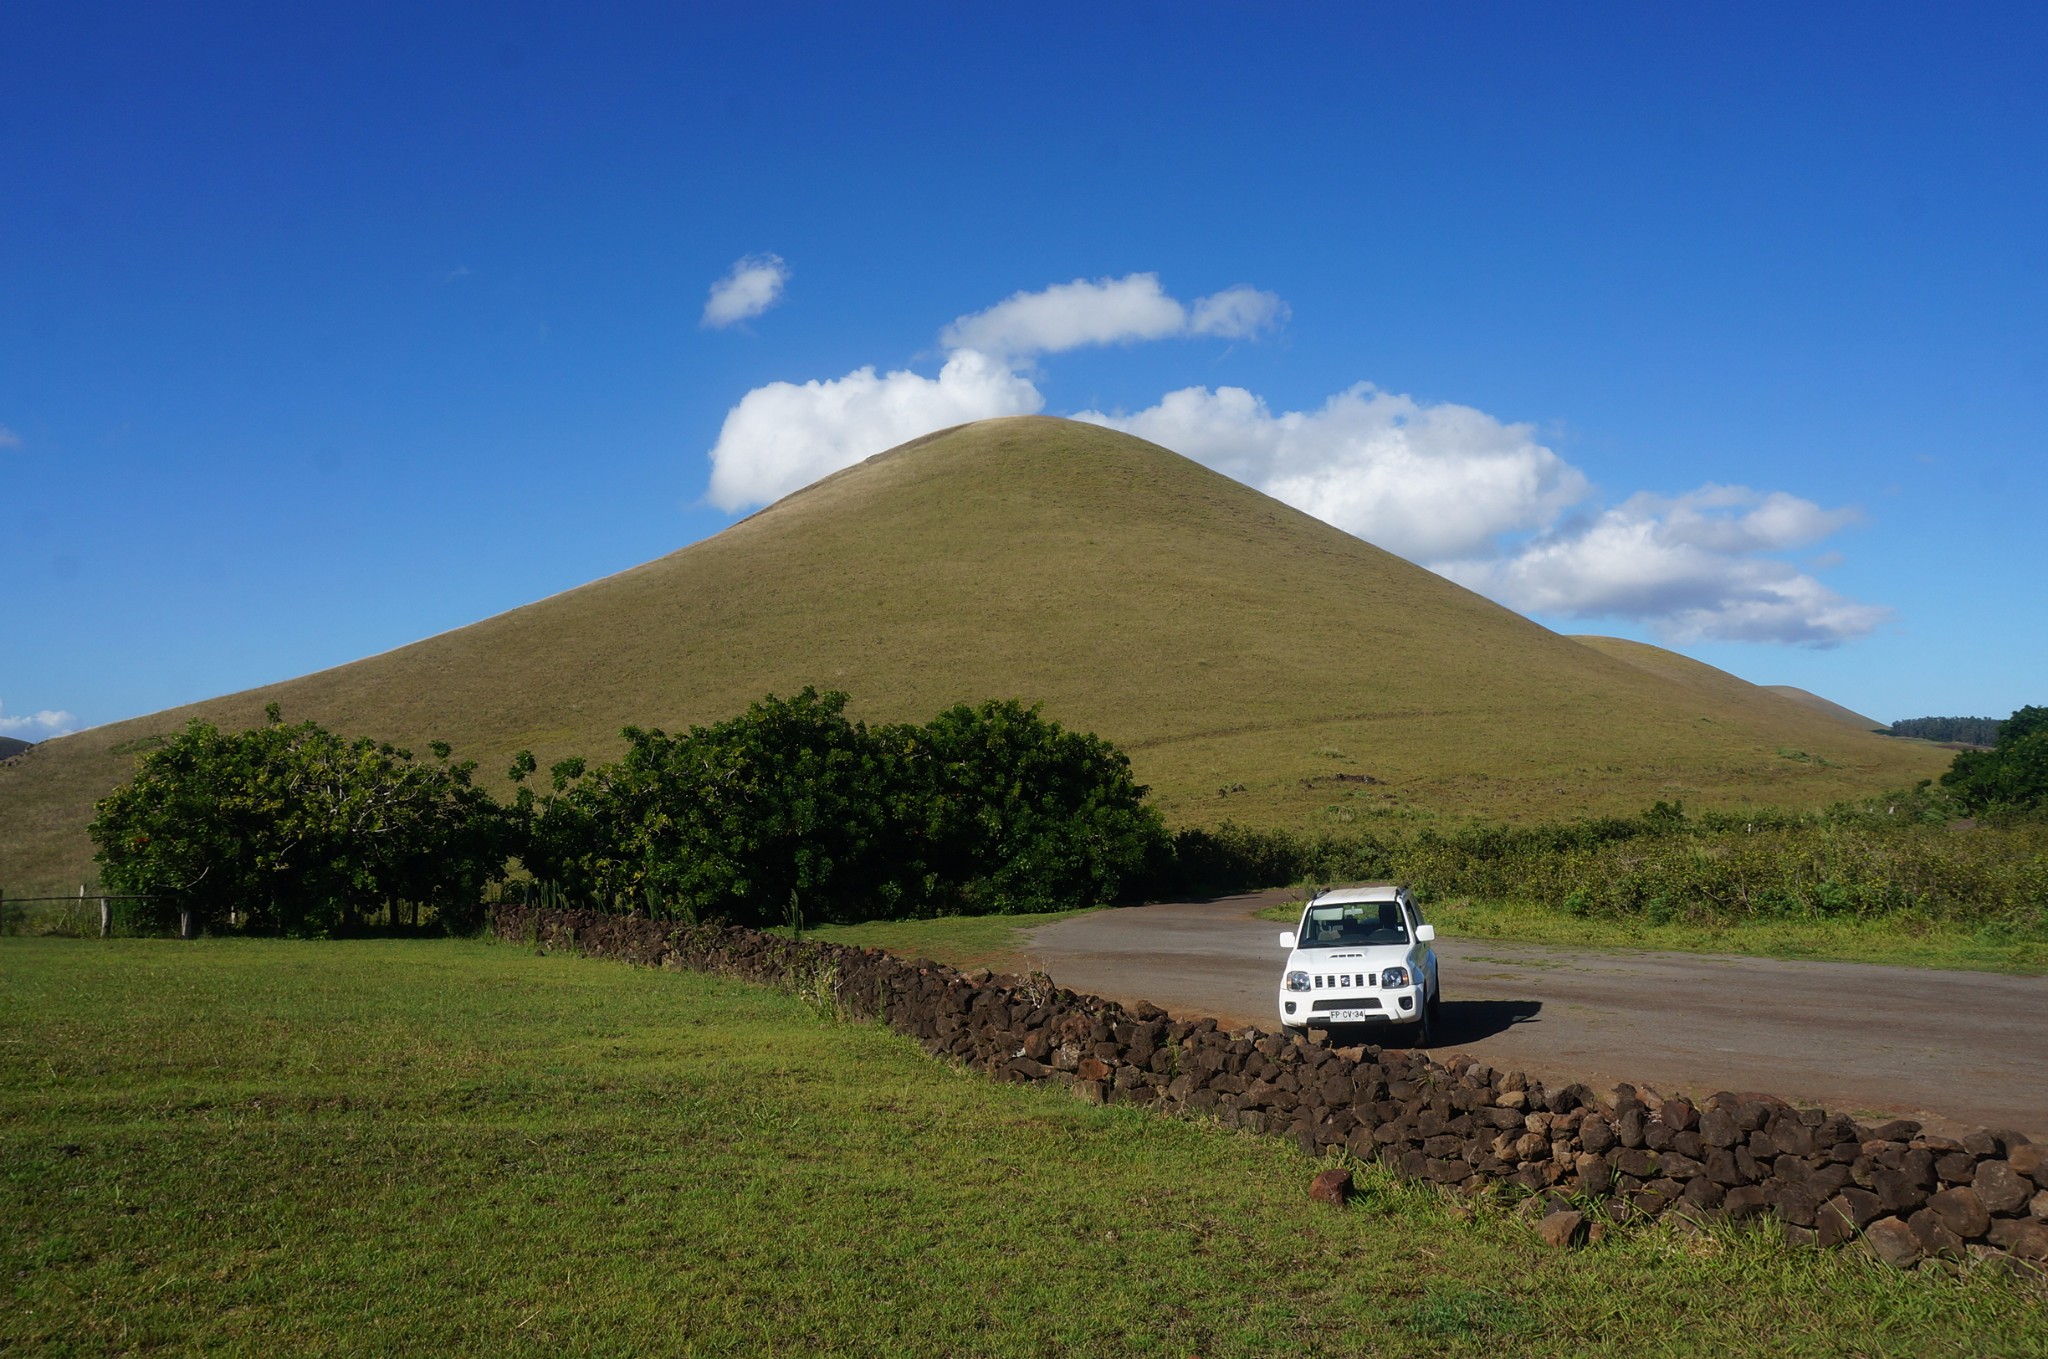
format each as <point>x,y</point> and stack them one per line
<point>1468,1021</point>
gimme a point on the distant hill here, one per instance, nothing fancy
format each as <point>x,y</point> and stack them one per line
<point>1258,664</point>
<point>10,746</point>
<point>1834,710</point>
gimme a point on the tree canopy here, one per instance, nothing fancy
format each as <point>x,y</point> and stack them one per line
<point>295,829</point>
<point>2012,775</point>
<point>794,808</point>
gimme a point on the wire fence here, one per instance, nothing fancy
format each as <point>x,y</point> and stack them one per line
<point>109,915</point>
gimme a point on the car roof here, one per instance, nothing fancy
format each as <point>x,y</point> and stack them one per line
<point>1379,891</point>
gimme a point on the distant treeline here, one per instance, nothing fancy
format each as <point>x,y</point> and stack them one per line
<point>1969,731</point>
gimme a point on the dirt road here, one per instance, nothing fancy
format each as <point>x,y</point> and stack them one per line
<point>1954,1049</point>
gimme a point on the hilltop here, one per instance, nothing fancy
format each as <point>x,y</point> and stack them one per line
<point>1258,664</point>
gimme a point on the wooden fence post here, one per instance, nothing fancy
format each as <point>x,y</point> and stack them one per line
<point>184,922</point>
<point>106,918</point>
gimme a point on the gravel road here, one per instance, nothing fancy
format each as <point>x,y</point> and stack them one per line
<point>1954,1049</point>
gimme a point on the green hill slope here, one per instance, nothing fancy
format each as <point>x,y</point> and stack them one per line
<point>1227,641</point>
<point>1828,706</point>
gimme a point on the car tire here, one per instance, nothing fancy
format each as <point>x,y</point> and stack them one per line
<point>1423,1031</point>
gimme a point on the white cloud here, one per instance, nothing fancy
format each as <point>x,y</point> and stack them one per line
<point>37,726</point>
<point>1237,313</point>
<point>1689,566</point>
<point>753,285</point>
<point>8,438</point>
<point>1427,482</point>
<point>1482,502</point>
<point>1108,311</point>
<point>783,436</point>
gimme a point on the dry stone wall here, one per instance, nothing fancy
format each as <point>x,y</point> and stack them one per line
<point>1827,1179</point>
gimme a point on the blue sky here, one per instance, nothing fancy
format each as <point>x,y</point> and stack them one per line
<point>326,329</point>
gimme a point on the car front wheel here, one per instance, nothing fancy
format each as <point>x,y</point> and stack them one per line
<point>1424,1027</point>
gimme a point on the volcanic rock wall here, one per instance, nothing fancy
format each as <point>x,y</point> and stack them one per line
<point>1826,1178</point>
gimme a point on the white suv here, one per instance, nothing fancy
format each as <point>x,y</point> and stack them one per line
<point>1362,955</point>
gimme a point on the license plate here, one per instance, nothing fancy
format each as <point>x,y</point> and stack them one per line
<point>1351,1016</point>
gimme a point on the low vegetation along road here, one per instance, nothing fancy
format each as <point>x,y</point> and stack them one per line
<point>1954,1049</point>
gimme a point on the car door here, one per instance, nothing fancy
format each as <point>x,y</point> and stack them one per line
<point>1423,954</point>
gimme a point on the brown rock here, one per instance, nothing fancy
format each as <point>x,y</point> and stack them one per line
<point>2027,1240</point>
<point>1562,1228</point>
<point>1961,1211</point>
<point>1702,1192</point>
<point>1744,1201</point>
<point>1956,1167</point>
<point>1893,1242</point>
<point>1836,1223</point>
<point>2002,1190</point>
<point>1090,1092</point>
<point>1717,1128</point>
<point>1934,1238</point>
<point>1637,1162</point>
<point>1721,1168</point>
<point>2037,1207</point>
<point>1596,1135</point>
<point>2030,1161</point>
<point>1795,1203</point>
<point>1862,1205</point>
<point>1897,1190</point>
<point>1332,1187</point>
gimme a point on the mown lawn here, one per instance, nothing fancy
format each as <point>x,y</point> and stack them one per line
<point>455,1148</point>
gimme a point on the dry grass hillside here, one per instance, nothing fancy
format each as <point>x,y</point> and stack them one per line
<point>1831,708</point>
<point>1258,664</point>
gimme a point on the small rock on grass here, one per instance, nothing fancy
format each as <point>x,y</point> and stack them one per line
<point>1562,1228</point>
<point>1332,1187</point>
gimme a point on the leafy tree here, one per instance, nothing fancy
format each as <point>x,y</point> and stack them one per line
<point>792,811</point>
<point>292,828</point>
<point>1027,816</point>
<point>2012,775</point>
<point>790,807</point>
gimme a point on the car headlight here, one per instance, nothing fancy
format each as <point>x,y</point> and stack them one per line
<point>1297,981</point>
<point>1393,977</point>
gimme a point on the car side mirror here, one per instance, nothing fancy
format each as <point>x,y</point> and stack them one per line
<point>1425,933</point>
<point>1287,939</point>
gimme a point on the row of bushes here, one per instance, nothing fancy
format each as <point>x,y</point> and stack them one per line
<point>790,811</point>
<point>1888,857</point>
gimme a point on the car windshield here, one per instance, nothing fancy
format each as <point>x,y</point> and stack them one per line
<point>1352,923</point>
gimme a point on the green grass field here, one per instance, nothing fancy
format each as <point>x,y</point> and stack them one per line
<point>246,1147</point>
<point>1257,664</point>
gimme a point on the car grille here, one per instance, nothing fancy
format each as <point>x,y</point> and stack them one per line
<point>1343,979</point>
